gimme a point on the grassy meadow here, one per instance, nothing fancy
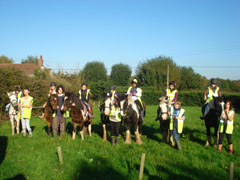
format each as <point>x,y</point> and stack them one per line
<point>36,157</point>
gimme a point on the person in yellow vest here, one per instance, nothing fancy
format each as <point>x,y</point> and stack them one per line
<point>171,93</point>
<point>177,118</point>
<point>212,90</point>
<point>59,117</point>
<point>84,97</point>
<point>226,126</point>
<point>115,120</point>
<point>111,92</point>
<point>26,110</point>
<point>136,94</point>
<point>52,90</point>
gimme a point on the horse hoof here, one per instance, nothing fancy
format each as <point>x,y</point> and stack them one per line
<point>139,142</point>
<point>127,142</point>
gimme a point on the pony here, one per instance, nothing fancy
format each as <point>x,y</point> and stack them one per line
<point>104,113</point>
<point>212,118</point>
<point>50,107</point>
<point>130,113</point>
<point>14,112</point>
<point>162,116</point>
<point>78,114</point>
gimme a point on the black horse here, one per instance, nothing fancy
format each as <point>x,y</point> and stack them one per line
<point>130,113</point>
<point>212,118</point>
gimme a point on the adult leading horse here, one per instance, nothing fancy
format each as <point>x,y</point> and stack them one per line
<point>78,114</point>
<point>130,113</point>
<point>212,118</point>
<point>14,112</point>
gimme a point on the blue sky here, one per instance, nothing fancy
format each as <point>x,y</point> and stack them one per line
<point>70,33</point>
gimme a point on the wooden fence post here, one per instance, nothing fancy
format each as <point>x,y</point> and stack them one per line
<point>60,154</point>
<point>142,166</point>
<point>231,170</point>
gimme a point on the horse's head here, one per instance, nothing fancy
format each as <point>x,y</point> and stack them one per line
<point>107,104</point>
<point>164,104</point>
<point>13,99</point>
<point>124,103</point>
<point>53,100</point>
<point>219,106</point>
<point>68,101</point>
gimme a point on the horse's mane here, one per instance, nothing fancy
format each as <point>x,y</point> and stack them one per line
<point>76,100</point>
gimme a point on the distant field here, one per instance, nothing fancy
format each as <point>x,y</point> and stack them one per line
<point>36,157</point>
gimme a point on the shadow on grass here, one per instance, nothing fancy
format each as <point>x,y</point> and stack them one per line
<point>3,147</point>
<point>194,135</point>
<point>151,132</point>
<point>97,168</point>
<point>17,177</point>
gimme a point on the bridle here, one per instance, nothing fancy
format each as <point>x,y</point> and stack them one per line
<point>12,104</point>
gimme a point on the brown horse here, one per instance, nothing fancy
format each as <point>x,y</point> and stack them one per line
<point>77,113</point>
<point>49,109</point>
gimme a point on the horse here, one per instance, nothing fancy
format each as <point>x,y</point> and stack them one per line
<point>50,107</point>
<point>131,115</point>
<point>14,112</point>
<point>104,113</point>
<point>162,116</point>
<point>78,114</point>
<point>212,118</point>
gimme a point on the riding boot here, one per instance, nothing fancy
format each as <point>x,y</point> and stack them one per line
<point>142,115</point>
<point>179,145</point>
<point>113,140</point>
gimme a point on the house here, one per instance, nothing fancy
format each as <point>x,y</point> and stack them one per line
<point>27,68</point>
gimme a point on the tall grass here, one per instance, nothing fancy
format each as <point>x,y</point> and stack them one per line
<point>36,157</point>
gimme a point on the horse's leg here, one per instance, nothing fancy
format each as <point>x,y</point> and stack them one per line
<point>216,136</point>
<point>208,142</point>
<point>128,133</point>
<point>137,135</point>
<point>90,128</point>
<point>74,130</point>
<point>81,124</point>
<point>12,124</point>
<point>48,125</point>
<point>18,124</point>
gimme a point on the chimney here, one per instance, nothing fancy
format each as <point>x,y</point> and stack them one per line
<point>40,62</point>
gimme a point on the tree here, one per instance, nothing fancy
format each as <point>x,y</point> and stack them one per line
<point>5,59</point>
<point>153,72</point>
<point>94,71</point>
<point>30,59</point>
<point>120,74</point>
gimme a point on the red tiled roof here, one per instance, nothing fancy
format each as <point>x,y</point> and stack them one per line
<point>26,68</point>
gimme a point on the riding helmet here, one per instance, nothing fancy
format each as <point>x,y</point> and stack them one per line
<point>172,83</point>
<point>134,81</point>
<point>213,81</point>
<point>17,88</point>
<point>112,87</point>
<point>84,84</point>
<point>53,84</point>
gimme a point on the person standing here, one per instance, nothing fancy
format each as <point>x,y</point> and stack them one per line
<point>84,97</point>
<point>26,111</point>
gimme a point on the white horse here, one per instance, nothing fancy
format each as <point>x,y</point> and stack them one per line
<point>13,111</point>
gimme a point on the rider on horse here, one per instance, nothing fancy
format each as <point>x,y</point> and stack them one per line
<point>136,94</point>
<point>213,90</point>
<point>84,97</point>
<point>111,92</point>
<point>171,93</point>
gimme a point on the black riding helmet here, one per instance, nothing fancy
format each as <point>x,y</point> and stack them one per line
<point>213,81</point>
<point>84,84</point>
<point>134,81</point>
<point>172,83</point>
<point>53,84</point>
<point>112,87</point>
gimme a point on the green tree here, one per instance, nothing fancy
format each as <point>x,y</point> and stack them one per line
<point>120,74</point>
<point>94,71</point>
<point>153,72</point>
<point>5,59</point>
<point>30,59</point>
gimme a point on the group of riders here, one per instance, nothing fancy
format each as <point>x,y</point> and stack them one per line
<point>175,112</point>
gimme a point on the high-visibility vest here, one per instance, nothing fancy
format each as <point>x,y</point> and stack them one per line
<point>80,93</point>
<point>19,96</point>
<point>138,94</point>
<point>229,128</point>
<point>115,114</point>
<point>112,97</point>
<point>52,92</point>
<point>211,94</point>
<point>179,121</point>
<point>171,94</point>
<point>26,112</point>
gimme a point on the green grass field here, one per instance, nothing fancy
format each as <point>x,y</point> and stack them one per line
<point>36,157</point>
